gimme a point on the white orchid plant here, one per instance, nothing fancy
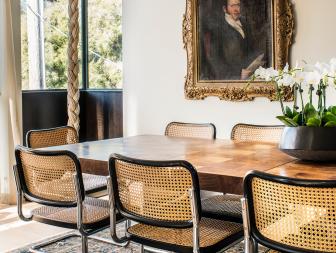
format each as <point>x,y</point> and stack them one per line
<point>310,78</point>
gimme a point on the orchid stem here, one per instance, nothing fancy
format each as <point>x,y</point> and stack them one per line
<point>302,103</point>
<point>295,87</point>
<point>280,98</point>
<point>324,97</point>
<point>311,88</point>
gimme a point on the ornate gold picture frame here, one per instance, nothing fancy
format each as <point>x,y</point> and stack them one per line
<point>200,82</point>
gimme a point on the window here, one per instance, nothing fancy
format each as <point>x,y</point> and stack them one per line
<point>44,41</point>
<point>104,39</point>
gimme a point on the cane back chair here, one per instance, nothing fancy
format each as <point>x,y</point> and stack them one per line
<point>191,130</point>
<point>256,133</point>
<point>62,136</point>
<point>164,198</point>
<point>289,215</point>
<point>54,180</point>
<point>229,206</point>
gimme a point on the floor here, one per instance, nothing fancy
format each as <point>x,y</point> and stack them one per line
<point>15,233</point>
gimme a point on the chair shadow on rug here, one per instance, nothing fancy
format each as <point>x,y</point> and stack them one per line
<point>73,244</point>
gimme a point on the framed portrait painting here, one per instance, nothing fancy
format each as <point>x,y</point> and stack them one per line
<point>227,40</point>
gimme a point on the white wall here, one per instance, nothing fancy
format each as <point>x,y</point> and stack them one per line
<point>155,66</point>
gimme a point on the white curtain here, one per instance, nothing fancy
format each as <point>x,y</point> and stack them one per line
<point>10,97</point>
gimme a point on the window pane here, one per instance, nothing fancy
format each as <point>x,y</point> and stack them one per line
<point>44,44</point>
<point>105,43</point>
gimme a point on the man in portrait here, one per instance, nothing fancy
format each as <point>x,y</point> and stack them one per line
<point>228,45</point>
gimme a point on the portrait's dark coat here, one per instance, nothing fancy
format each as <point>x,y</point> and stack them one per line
<point>225,51</point>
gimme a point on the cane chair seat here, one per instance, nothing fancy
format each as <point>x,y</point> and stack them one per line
<point>191,130</point>
<point>227,207</point>
<point>62,136</point>
<point>212,234</point>
<point>93,183</point>
<point>96,213</point>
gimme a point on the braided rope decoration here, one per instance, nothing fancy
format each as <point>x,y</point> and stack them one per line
<point>73,66</point>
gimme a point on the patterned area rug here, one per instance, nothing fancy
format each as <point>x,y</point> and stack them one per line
<point>73,245</point>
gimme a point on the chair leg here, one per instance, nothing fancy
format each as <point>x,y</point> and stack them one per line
<point>230,246</point>
<point>248,245</point>
<point>142,248</point>
<point>84,239</point>
<point>255,246</point>
<point>84,244</point>
<point>153,250</point>
<point>36,247</point>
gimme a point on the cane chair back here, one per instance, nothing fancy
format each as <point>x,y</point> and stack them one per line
<point>62,136</point>
<point>154,192</point>
<point>291,215</point>
<point>51,137</point>
<point>191,130</point>
<point>47,176</point>
<point>256,133</point>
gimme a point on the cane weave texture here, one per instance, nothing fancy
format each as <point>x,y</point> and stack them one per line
<point>177,129</point>
<point>52,137</point>
<point>210,232</point>
<point>301,217</point>
<point>62,136</point>
<point>49,177</point>
<point>93,182</point>
<point>253,133</point>
<point>160,193</point>
<point>223,206</point>
<point>94,210</point>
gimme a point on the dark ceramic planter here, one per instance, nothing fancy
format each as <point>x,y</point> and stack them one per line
<point>309,143</point>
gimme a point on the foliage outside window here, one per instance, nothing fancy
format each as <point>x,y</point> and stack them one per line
<point>105,40</point>
<point>44,39</point>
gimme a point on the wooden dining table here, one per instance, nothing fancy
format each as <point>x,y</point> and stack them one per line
<point>221,164</point>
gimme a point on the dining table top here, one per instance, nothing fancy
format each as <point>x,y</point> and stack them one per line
<point>220,164</point>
